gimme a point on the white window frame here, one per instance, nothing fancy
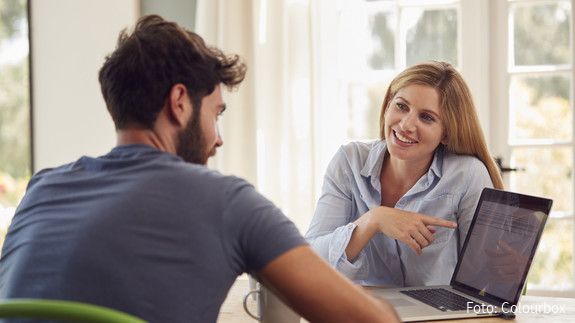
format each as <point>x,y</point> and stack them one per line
<point>501,70</point>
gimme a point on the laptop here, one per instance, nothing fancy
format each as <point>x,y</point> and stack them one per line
<point>492,265</point>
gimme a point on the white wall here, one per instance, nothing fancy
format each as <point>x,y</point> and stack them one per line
<point>70,40</point>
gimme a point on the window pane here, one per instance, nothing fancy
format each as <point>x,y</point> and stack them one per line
<point>553,264</point>
<point>365,105</point>
<point>540,108</point>
<point>14,111</point>
<point>541,34</point>
<point>431,34</point>
<point>366,38</point>
<point>382,53</point>
<point>548,172</point>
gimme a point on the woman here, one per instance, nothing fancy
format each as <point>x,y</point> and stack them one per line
<point>395,212</point>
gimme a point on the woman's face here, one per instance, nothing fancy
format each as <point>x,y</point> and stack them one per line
<point>413,125</point>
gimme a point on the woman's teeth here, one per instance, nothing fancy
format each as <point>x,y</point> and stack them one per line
<point>403,139</point>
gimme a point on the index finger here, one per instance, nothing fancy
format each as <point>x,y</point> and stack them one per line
<point>429,220</point>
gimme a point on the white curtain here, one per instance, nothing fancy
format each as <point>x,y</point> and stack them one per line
<point>275,132</point>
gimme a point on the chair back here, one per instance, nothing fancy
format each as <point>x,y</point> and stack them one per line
<point>68,311</point>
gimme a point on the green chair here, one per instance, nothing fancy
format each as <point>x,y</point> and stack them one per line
<point>62,310</point>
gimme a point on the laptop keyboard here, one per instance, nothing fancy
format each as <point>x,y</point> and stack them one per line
<point>441,299</point>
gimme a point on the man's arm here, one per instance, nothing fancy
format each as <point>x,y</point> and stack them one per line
<point>320,294</point>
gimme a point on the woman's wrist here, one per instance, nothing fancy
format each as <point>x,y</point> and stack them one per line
<point>371,221</point>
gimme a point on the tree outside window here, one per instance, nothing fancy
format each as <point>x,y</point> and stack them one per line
<point>540,129</point>
<point>15,143</point>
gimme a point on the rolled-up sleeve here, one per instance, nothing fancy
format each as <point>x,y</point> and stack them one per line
<point>331,228</point>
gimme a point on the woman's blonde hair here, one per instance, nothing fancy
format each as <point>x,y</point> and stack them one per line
<point>462,129</point>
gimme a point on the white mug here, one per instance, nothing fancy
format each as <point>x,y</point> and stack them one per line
<point>270,308</point>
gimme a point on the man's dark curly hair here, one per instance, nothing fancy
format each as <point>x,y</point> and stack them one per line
<point>137,77</point>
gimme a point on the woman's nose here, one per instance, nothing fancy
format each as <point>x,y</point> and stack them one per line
<point>408,122</point>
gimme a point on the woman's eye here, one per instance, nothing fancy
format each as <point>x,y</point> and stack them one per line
<point>401,107</point>
<point>427,117</point>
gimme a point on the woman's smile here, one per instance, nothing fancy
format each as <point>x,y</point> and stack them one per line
<point>403,139</point>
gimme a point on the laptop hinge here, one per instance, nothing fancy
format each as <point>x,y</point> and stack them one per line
<point>473,293</point>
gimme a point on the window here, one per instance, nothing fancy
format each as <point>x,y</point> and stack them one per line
<point>378,39</point>
<point>361,45</point>
<point>537,122</point>
<point>516,56</point>
<point>15,145</point>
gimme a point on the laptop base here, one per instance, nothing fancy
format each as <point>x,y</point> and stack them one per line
<point>411,310</point>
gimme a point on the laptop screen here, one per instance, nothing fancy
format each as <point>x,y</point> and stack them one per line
<point>500,245</point>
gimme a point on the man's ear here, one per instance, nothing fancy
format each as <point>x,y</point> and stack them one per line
<point>179,105</point>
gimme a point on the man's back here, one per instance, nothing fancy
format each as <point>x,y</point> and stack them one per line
<point>141,231</point>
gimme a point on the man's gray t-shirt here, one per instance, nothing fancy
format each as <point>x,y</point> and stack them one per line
<point>141,231</point>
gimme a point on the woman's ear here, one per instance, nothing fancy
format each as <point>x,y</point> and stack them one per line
<point>179,105</point>
<point>444,140</point>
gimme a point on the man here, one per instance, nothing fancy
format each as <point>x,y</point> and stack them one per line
<point>147,228</point>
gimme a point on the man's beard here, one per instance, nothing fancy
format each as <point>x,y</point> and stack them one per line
<point>192,146</point>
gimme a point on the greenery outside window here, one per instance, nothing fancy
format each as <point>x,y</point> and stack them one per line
<point>380,38</point>
<point>540,128</point>
<point>15,134</point>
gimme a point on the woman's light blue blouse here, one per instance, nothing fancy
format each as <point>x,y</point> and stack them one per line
<point>449,190</point>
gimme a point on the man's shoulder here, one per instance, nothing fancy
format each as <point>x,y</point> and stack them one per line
<point>187,171</point>
<point>49,171</point>
<point>161,169</point>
